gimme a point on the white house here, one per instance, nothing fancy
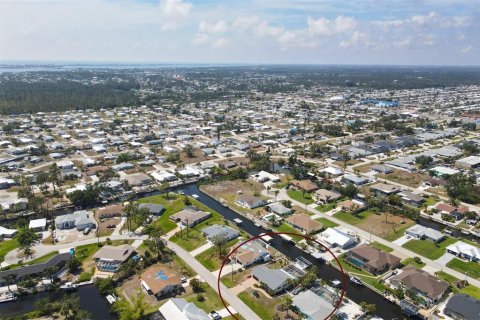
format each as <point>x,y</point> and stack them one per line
<point>336,237</point>
<point>180,309</point>
<point>464,250</point>
<point>78,219</point>
<point>38,224</point>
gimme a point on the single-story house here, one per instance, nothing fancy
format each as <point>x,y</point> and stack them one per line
<point>354,179</point>
<point>422,283</point>
<point>190,216</point>
<point>326,196</point>
<point>155,209</point>
<point>251,253</point>
<point>304,223</point>
<point>350,205</point>
<point>425,233</point>
<point>384,189</point>
<point>123,166</point>
<point>110,258</point>
<point>336,237</point>
<point>113,210</point>
<point>382,169</point>
<point>250,202</point>
<point>332,171</point>
<point>311,305</point>
<point>462,307</point>
<point>180,309</point>
<point>138,179</point>
<point>273,280</point>
<point>456,212</point>
<point>304,185</point>
<point>278,209</point>
<point>78,219</point>
<point>7,233</point>
<point>160,281</point>
<point>220,230</point>
<point>38,224</point>
<point>264,176</point>
<point>371,259</point>
<point>468,162</point>
<point>411,198</point>
<point>464,250</point>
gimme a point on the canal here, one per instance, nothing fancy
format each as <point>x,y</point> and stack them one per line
<point>384,308</point>
<point>90,300</point>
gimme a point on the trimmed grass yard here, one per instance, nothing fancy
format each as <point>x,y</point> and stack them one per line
<point>327,223</point>
<point>6,246</point>
<point>41,259</point>
<point>350,218</point>
<point>470,267</point>
<point>429,249</point>
<point>468,290</point>
<point>299,196</point>
<point>212,299</point>
<point>287,228</point>
<point>262,306</point>
<point>413,262</point>
<point>326,207</point>
<point>210,259</point>
<point>380,246</point>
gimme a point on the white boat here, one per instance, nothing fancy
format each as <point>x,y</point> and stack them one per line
<point>195,196</point>
<point>356,281</point>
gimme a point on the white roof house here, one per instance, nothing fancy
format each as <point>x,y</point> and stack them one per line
<point>180,309</point>
<point>464,250</point>
<point>38,224</point>
<point>263,176</point>
<point>334,171</point>
<point>162,176</point>
<point>337,237</point>
<point>7,233</point>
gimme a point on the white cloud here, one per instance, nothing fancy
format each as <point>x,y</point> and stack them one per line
<point>244,23</point>
<point>328,27</point>
<point>467,49</point>
<point>423,20</point>
<point>200,38</point>
<point>429,39</point>
<point>402,43</point>
<point>220,43</point>
<point>357,38</point>
<point>174,12</point>
<point>265,30</point>
<point>218,27</point>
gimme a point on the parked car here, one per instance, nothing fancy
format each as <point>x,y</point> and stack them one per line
<point>215,315</point>
<point>87,231</point>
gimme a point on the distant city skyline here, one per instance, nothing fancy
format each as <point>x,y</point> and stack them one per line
<point>394,32</point>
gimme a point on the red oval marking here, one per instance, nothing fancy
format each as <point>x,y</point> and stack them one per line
<point>344,281</point>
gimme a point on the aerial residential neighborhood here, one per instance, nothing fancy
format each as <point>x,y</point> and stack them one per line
<point>239,160</point>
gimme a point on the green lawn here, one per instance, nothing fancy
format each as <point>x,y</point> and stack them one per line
<point>347,267</point>
<point>6,246</point>
<point>195,237</point>
<point>429,249</point>
<point>468,290</point>
<point>380,246</point>
<point>86,251</point>
<point>172,205</point>
<point>412,262</point>
<point>327,223</point>
<point>263,307</point>
<point>430,201</point>
<point>374,282</point>
<point>326,207</point>
<point>299,196</point>
<point>212,299</point>
<point>210,259</point>
<point>350,218</point>
<point>398,233</point>
<point>287,228</point>
<point>471,268</point>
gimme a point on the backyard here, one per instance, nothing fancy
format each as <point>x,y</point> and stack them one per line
<point>173,204</point>
<point>411,179</point>
<point>210,258</point>
<point>6,246</point>
<point>264,307</point>
<point>468,290</point>
<point>429,249</point>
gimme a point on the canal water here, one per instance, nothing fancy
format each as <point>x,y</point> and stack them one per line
<point>90,300</point>
<point>384,308</point>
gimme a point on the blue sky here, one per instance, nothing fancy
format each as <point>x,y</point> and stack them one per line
<point>443,32</point>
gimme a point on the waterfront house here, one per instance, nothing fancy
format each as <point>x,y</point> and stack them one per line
<point>110,258</point>
<point>371,259</point>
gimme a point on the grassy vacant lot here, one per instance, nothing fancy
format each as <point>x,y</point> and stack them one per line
<point>412,262</point>
<point>326,207</point>
<point>173,204</point>
<point>327,223</point>
<point>210,258</point>
<point>390,228</point>
<point>468,290</point>
<point>380,246</point>
<point>350,218</point>
<point>212,299</point>
<point>300,197</point>
<point>262,306</point>
<point>6,246</point>
<point>287,228</point>
<point>411,179</point>
<point>429,249</point>
<point>471,268</point>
